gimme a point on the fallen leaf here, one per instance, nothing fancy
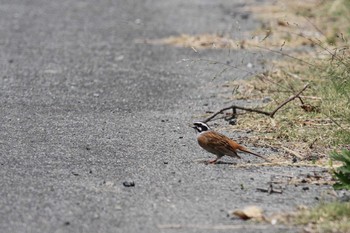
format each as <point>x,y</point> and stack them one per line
<point>249,212</point>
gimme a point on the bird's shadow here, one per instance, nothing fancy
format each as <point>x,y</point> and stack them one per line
<point>206,162</point>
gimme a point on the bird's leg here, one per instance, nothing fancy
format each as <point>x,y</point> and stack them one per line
<point>213,161</point>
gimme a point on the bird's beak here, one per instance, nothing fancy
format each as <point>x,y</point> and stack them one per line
<point>195,128</point>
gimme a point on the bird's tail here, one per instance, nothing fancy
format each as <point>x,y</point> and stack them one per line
<point>248,151</point>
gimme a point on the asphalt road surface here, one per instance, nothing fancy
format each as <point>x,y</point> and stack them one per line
<point>85,107</point>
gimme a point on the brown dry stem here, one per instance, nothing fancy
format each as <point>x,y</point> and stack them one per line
<point>270,114</point>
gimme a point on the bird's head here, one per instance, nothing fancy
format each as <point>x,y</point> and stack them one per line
<point>200,127</point>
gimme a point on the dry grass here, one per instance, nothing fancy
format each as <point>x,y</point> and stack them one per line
<point>328,218</point>
<point>312,37</point>
<point>308,127</point>
<point>286,24</point>
<point>299,23</point>
<point>317,123</point>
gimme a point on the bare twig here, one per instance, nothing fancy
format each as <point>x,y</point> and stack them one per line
<point>334,121</point>
<point>270,114</point>
<point>313,143</point>
<point>315,26</point>
<point>233,107</point>
<point>285,55</point>
<point>288,100</point>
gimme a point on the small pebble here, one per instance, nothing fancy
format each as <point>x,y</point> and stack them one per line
<point>245,16</point>
<point>120,58</point>
<point>128,183</point>
<point>233,121</point>
<point>306,188</point>
<point>138,21</point>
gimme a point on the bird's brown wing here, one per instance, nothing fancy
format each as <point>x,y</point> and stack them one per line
<point>217,143</point>
<point>221,145</point>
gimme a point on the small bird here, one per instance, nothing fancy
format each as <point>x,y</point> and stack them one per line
<point>218,144</point>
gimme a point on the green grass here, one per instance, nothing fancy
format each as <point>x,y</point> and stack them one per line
<point>342,174</point>
<point>320,129</point>
<point>327,70</point>
<point>330,217</point>
<point>334,90</point>
<point>323,128</point>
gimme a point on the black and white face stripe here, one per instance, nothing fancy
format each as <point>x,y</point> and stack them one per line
<point>200,127</point>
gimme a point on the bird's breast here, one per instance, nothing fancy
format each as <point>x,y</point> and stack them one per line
<point>202,139</point>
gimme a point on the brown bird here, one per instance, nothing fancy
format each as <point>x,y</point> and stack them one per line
<point>218,144</point>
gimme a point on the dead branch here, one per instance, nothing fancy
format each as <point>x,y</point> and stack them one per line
<point>234,107</point>
<point>270,114</point>
<point>288,100</point>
